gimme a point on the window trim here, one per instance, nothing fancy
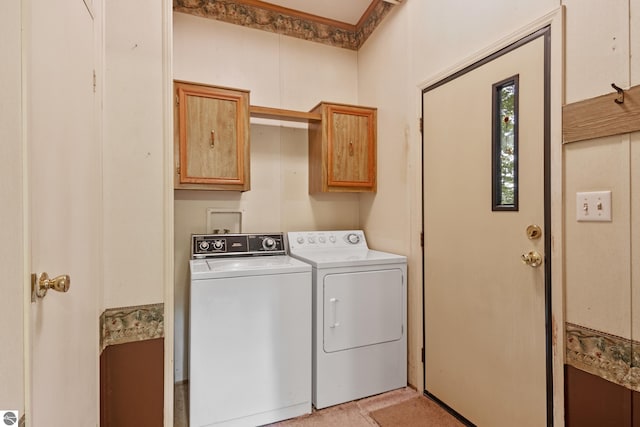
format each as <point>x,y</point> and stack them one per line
<point>496,177</point>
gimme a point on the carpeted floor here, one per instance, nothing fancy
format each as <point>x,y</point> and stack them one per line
<point>418,411</point>
<point>399,408</point>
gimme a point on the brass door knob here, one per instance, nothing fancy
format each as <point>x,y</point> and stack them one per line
<point>40,286</point>
<point>532,259</point>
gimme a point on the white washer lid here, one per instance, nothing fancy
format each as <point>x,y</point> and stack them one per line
<point>321,258</point>
<point>215,268</point>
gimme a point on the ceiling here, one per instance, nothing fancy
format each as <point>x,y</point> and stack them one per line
<point>349,11</point>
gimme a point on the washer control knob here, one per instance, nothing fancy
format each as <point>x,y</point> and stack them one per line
<point>300,240</point>
<point>269,244</point>
<point>203,245</point>
<point>332,238</point>
<point>311,239</point>
<point>322,239</point>
<point>353,238</point>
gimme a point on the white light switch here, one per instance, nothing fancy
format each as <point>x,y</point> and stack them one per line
<point>593,206</point>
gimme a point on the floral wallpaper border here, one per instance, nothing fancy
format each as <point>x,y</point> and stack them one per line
<point>238,13</point>
<point>128,324</point>
<point>610,357</point>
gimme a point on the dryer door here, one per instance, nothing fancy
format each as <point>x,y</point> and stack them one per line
<point>362,308</point>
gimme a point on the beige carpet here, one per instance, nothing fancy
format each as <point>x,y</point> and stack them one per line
<point>418,411</point>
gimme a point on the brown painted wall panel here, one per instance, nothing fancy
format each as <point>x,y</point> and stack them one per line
<point>635,401</point>
<point>131,384</point>
<point>591,401</point>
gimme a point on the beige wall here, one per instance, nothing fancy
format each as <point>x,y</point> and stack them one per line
<point>635,228</point>
<point>385,81</point>
<point>11,210</point>
<point>133,154</point>
<point>597,254</point>
<point>280,72</point>
<point>602,275</point>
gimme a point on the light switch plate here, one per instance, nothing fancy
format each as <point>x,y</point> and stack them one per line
<point>593,206</point>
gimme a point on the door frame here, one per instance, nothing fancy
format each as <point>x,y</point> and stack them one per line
<point>550,27</point>
<point>167,187</point>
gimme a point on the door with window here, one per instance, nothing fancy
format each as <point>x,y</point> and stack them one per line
<point>486,234</point>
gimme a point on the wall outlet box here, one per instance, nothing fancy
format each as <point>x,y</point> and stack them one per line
<point>593,206</point>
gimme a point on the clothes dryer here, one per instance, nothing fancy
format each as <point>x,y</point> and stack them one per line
<point>359,315</point>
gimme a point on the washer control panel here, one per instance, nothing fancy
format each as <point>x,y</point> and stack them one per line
<point>326,239</point>
<point>214,245</point>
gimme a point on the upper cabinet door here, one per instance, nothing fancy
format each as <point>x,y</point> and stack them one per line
<point>212,138</point>
<point>342,151</point>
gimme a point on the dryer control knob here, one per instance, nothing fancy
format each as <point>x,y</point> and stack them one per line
<point>204,245</point>
<point>217,244</point>
<point>353,238</point>
<point>321,239</point>
<point>300,239</point>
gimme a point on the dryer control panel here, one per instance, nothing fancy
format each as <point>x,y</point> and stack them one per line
<point>215,245</point>
<point>339,239</point>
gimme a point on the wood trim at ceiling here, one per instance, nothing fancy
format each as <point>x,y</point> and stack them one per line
<point>367,13</point>
<point>280,20</point>
<point>601,116</point>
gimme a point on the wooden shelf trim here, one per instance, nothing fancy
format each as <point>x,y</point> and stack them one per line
<point>600,116</point>
<point>281,114</point>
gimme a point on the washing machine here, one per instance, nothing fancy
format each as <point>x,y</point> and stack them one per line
<point>250,331</point>
<point>359,315</point>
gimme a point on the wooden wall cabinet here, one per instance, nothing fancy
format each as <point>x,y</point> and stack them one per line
<point>211,147</point>
<point>342,149</point>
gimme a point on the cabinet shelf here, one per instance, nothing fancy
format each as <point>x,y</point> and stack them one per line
<point>282,114</point>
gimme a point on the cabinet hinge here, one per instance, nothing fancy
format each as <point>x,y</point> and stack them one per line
<point>177,100</point>
<point>422,351</point>
<point>178,170</point>
<point>95,81</point>
<point>421,124</point>
<point>422,239</point>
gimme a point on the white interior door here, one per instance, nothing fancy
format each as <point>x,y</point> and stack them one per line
<point>485,331</point>
<point>63,174</point>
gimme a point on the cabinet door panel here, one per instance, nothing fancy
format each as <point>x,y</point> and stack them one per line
<point>350,161</point>
<point>212,138</point>
<point>342,149</point>
<point>212,149</point>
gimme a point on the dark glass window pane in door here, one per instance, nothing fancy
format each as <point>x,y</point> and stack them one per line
<point>505,145</point>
